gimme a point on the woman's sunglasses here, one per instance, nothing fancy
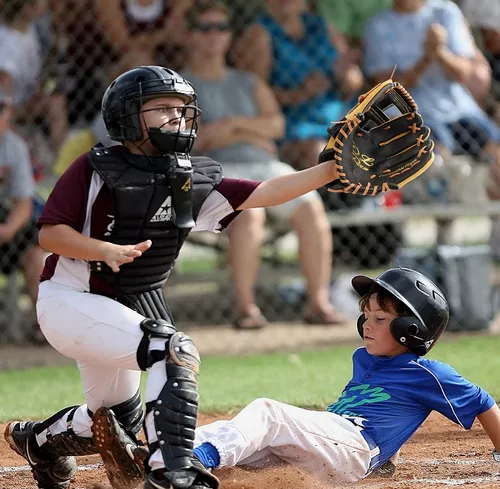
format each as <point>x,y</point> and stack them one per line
<point>213,26</point>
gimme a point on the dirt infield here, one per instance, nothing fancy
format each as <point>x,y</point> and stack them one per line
<point>440,454</point>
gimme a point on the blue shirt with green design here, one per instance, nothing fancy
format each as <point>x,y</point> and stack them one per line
<point>390,397</point>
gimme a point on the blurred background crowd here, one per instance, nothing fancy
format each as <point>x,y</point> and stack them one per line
<point>271,76</point>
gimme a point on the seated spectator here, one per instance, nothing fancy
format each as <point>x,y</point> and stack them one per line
<point>310,68</point>
<point>134,26</point>
<point>82,57</point>
<point>84,139</point>
<point>18,234</point>
<point>435,55</point>
<point>349,18</point>
<point>484,16</point>
<point>240,121</point>
<point>21,61</point>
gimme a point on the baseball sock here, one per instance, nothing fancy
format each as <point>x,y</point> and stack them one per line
<point>208,455</point>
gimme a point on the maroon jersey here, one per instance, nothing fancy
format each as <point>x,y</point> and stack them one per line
<point>81,200</point>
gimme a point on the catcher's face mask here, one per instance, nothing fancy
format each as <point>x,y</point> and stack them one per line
<point>169,125</point>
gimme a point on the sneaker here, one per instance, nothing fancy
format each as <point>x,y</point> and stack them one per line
<point>122,456</point>
<point>50,471</point>
<point>196,477</point>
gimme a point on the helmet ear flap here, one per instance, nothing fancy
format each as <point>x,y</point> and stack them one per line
<point>409,331</point>
<point>361,321</point>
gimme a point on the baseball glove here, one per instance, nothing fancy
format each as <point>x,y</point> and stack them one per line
<point>381,145</point>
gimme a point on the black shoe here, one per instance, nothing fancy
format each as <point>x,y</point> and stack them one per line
<point>122,456</point>
<point>195,477</point>
<point>50,472</point>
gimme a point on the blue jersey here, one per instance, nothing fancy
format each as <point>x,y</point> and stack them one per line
<point>391,397</point>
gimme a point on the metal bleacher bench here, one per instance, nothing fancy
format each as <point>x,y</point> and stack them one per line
<point>443,214</point>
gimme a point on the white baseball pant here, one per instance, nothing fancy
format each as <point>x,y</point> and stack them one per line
<point>323,443</point>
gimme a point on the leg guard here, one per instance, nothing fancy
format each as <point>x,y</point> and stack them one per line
<point>175,414</point>
<point>176,409</point>
<point>130,414</point>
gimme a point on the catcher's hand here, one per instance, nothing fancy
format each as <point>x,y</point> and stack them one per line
<point>381,145</point>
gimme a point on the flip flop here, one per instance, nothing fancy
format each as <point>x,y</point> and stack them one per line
<point>325,318</point>
<point>250,322</point>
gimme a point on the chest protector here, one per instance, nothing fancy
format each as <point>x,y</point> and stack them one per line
<point>144,205</point>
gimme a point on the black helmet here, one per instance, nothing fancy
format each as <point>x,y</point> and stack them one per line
<point>428,305</point>
<point>123,100</point>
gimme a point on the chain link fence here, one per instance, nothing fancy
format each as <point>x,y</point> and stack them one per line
<point>299,64</point>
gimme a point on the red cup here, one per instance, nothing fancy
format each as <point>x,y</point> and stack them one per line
<point>393,199</point>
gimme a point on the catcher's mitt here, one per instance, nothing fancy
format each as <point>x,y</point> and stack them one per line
<point>381,145</point>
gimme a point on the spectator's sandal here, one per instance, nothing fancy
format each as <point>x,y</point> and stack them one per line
<point>332,317</point>
<point>250,322</point>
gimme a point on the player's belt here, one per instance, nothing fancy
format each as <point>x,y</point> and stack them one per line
<point>374,450</point>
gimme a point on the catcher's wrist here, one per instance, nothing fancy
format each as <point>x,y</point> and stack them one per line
<point>495,455</point>
<point>334,175</point>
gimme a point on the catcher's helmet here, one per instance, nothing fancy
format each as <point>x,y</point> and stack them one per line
<point>429,308</point>
<point>123,100</point>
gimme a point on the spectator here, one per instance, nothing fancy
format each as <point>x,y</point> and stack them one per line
<point>241,119</point>
<point>435,55</point>
<point>21,63</point>
<point>18,234</point>
<point>82,57</point>
<point>484,15</point>
<point>350,17</point>
<point>84,139</point>
<point>308,65</point>
<point>134,26</point>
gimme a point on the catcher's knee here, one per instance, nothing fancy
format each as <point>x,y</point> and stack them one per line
<point>153,329</point>
<point>179,349</point>
<point>130,414</point>
<point>183,353</point>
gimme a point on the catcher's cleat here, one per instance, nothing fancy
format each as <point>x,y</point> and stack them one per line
<point>50,471</point>
<point>122,456</point>
<point>195,477</point>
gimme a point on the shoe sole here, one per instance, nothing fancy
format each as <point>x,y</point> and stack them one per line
<point>152,485</point>
<point>123,461</point>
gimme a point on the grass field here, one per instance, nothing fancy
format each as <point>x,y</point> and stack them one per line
<point>308,379</point>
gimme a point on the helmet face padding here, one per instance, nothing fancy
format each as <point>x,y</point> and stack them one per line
<point>429,309</point>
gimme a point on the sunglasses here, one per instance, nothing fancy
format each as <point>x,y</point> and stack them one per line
<point>213,27</point>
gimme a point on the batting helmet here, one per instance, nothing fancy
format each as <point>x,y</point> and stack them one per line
<point>123,100</point>
<point>428,305</point>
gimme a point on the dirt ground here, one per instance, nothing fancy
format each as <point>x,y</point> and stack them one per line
<point>440,454</point>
